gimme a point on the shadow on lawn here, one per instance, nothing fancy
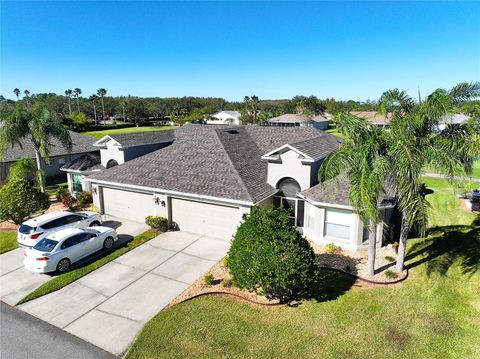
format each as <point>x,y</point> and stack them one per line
<point>446,246</point>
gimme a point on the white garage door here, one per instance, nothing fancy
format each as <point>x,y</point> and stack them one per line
<point>208,219</point>
<point>126,204</point>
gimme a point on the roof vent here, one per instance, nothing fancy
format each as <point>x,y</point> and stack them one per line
<point>233,132</point>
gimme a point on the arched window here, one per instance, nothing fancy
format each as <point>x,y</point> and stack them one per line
<point>112,163</point>
<point>287,198</point>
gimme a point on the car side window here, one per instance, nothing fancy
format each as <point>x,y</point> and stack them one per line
<point>72,218</point>
<point>69,242</point>
<point>85,237</point>
<point>55,223</point>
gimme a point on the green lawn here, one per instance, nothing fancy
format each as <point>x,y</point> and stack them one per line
<point>434,314</point>
<point>99,134</point>
<point>62,280</point>
<point>476,169</point>
<point>8,241</point>
<point>334,131</point>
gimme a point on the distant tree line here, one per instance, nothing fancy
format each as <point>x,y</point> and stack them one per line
<point>78,111</point>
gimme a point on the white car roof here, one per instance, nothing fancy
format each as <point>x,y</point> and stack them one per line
<point>64,233</point>
<point>38,221</point>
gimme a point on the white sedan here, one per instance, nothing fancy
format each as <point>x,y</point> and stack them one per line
<point>59,250</point>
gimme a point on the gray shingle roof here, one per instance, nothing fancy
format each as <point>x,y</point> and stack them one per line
<point>215,160</point>
<point>295,118</point>
<point>317,149</point>
<point>81,144</point>
<point>86,162</point>
<point>337,191</point>
<point>141,138</point>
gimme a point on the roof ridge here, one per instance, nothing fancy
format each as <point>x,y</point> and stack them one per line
<point>242,183</point>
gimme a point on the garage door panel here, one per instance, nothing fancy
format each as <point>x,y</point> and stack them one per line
<point>207,219</point>
<point>127,204</point>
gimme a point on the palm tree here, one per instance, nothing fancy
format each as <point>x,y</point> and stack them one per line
<point>68,93</point>
<point>102,92</point>
<point>39,126</point>
<point>16,91</point>
<point>361,161</point>
<point>412,145</point>
<point>27,93</point>
<point>94,99</point>
<point>254,99</point>
<point>77,92</point>
<point>27,97</point>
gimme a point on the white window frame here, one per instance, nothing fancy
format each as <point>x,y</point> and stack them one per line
<point>349,226</point>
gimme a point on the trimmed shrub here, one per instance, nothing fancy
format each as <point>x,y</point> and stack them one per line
<point>269,256</point>
<point>157,222</point>
<point>69,201</point>
<point>390,274</point>
<point>227,283</point>
<point>60,192</point>
<point>208,279</point>
<point>389,258</point>
<point>331,248</point>
<point>18,200</point>
<point>84,198</point>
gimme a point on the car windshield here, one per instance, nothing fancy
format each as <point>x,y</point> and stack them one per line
<point>90,230</point>
<point>45,245</point>
<point>24,229</point>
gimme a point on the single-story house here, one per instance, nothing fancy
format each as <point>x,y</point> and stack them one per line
<point>293,120</point>
<point>455,119</point>
<point>209,178</point>
<point>59,155</point>
<point>114,150</point>
<point>224,118</point>
<point>374,117</point>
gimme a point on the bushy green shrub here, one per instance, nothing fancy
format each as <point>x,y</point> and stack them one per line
<point>389,259</point>
<point>157,222</point>
<point>84,198</point>
<point>269,256</point>
<point>60,192</point>
<point>18,200</point>
<point>208,279</point>
<point>69,201</point>
<point>331,248</point>
<point>227,283</point>
<point>390,274</point>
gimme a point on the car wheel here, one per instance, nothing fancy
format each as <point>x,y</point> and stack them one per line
<point>108,243</point>
<point>94,223</point>
<point>63,265</point>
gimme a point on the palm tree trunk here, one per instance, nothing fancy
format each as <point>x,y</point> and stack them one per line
<point>69,108</point>
<point>41,179</point>
<point>402,244</point>
<point>103,111</point>
<point>372,248</point>
<point>95,114</point>
<point>78,105</point>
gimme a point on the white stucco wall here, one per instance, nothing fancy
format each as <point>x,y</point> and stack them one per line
<point>289,166</point>
<point>111,152</point>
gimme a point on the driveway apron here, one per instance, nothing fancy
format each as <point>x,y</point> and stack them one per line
<point>109,306</point>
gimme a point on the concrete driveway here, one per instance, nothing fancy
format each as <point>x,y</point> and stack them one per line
<point>109,306</point>
<point>16,281</point>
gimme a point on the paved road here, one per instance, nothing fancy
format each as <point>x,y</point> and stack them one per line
<point>23,336</point>
<point>439,175</point>
<point>109,306</point>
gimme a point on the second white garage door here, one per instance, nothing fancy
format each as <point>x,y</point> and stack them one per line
<point>126,204</point>
<point>208,219</point>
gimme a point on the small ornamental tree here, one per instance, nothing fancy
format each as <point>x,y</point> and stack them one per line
<point>18,200</point>
<point>269,256</point>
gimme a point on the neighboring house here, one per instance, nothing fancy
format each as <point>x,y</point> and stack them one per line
<point>209,178</point>
<point>455,119</point>
<point>114,150</point>
<point>374,117</point>
<point>292,120</point>
<point>224,118</point>
<point>59,155</point>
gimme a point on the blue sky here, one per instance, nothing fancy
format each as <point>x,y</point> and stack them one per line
<point>351,50</point>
